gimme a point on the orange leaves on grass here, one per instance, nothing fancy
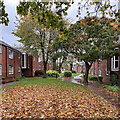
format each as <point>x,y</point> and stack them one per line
<point>49,102</point>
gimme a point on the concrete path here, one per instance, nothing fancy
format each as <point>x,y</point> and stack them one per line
<point>96,88</point>
<point>10,83</point>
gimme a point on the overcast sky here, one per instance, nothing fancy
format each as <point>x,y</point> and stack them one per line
<point>11,10</point>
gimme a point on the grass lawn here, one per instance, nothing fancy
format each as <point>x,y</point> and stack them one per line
<point>111,88</point>
<point>51,98</point>
<point>73,74</point>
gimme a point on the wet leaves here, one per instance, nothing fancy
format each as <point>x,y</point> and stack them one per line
<point>49,102</point>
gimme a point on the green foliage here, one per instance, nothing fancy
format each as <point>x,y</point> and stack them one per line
<point>52,73</point>
<point>113,80</point>
<point>111,88</point>
<point>3,15</point>
<point>93,77</point>
<point>73,71</point>
<point>100,78</point>
<point>39,73</point>
<point>18,78</point>
<point>67,74</point>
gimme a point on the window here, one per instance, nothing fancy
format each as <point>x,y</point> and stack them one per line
<point>106,68</point>
<point>10,53</point>
<point>10,69</point>
<point>91,71</point>
<point>115,63</point>
<point>34,70</point>
<point>34,58</point>
<point>95,71</point>
<point>19,69</point>
<point>18,55</point>
<point>40,59</point>
<point>100,72</point>
<point>0,48</point>
<point>0,69</point>
<point>23,60</point>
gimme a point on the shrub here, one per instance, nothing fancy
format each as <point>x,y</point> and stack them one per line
<point>73,71</point>
<point>93,77</point>
<point>100,78</point>
<point>113,80</point>
<point>39,73</point>
<point>111,88</point>
<point>52,73</point>
<point>67,74</point>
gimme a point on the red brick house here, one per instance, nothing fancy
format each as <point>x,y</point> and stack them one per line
<point>30,64</point>
<point>105,68</point>
<point>10,62</point>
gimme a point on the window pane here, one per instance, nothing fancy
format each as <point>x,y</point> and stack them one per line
<point>11,53</point>
<point>10,69</point>
<point>23,60</point>
<point>116,64</point>
<point>116,58</point>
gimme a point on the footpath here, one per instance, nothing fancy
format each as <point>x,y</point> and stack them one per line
<point>114,99</point>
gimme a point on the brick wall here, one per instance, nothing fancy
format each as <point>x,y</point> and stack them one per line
<point>6,61</point>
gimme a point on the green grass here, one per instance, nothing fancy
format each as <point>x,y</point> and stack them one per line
<point>45,82</point>
<point>111,88</point>
<point>73,74</point>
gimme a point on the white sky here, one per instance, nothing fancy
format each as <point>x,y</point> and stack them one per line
<point>11,10</point>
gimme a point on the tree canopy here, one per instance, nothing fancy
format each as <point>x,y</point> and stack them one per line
<point>3,15</point>
<point>93,38</point>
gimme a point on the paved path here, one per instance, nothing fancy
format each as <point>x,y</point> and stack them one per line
<point>10,83</point>
<point>95,87</point>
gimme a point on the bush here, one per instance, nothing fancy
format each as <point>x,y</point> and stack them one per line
<point>52,73</point>
<point>113,80</point>
<point>73,71</point>
<point>111,88</point>
<point>100,78</point>
<point>67,74</point>
<point>93,77</point>
<point>39,73</point>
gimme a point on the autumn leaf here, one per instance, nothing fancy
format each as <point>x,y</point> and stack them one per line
<point>86,8</point>
<point>60,36</point>
<point>84,23</point>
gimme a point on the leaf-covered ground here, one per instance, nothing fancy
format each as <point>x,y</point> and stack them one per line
<point>50,102</point>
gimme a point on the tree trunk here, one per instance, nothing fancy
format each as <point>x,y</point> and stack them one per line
<point>45,68</point>
<point>60,66</point>
<point>71,66</point>
<point>54,64</point>
<point>87,71</point>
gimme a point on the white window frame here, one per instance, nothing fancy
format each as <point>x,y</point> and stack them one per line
<point>19,69</point>
<point>10,54</point>
<point>34,58</point>
<point>0,69</point>
<point>113,61</point>
<point>91,71</point>
<point>11,71</point>
<point>24,60</point>
<point>0,48</point>
<point>95,71</point>
<point>100,72</point>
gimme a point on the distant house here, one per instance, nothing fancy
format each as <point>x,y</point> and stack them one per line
<point>10,62</point>
<point>31,63</point>
<point>15,63</point>
<point>105,68</point>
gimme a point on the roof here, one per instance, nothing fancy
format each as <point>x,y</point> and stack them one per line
<point>5,44</point>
